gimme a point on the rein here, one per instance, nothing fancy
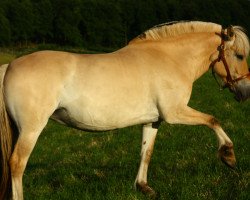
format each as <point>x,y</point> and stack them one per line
<point>230,81</point>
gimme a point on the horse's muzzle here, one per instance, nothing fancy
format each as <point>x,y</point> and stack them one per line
<point>241,89</point>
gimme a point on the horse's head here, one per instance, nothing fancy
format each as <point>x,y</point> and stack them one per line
<point>230,62</point>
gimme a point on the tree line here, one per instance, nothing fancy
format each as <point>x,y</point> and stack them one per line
<point>106,23</point>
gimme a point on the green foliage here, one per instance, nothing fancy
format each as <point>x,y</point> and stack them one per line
<point>21,19</point>
<point>5,33</point>
<point>101,23</point>
<point>43,17</point>
<point>66,20</point>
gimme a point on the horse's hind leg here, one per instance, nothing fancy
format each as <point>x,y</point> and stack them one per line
<point>30,121</point>
<point>148,139</point>
<point>23,148</point>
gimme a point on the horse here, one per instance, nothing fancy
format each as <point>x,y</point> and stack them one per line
<point>147,82</point>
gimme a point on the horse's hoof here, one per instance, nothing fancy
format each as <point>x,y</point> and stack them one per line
<point>226,154</point>
<point>145,189</point>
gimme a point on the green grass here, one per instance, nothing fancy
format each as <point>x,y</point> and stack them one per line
<point>6,57</point>
<point>71,164</point>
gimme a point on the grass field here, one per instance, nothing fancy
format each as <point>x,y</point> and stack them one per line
<point>72,164</point>
<point>6,57</point>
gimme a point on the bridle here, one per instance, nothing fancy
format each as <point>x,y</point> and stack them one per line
<point>230,81</point>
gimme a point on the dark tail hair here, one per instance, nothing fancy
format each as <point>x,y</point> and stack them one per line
<point>6,138</point>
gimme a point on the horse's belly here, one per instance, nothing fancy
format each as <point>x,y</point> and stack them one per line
<point>102,121</point>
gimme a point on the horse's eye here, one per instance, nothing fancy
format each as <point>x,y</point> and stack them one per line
<point>240,57</point>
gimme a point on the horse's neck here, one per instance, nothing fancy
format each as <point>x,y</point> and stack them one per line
<point>190,52</point>
<point>196,52</point>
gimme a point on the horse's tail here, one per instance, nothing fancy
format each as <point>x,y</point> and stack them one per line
<point>6,138</point>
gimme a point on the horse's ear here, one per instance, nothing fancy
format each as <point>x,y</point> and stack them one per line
<point>230,33</point>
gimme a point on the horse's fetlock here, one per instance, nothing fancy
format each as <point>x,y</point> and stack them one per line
<point>145,189</point>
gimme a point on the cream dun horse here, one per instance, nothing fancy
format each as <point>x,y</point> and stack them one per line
<point>148,81</point>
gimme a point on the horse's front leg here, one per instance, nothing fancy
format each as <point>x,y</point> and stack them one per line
<point>148,139</point>
<point>187,115</point>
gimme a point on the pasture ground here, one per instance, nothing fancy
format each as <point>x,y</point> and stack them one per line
<point>71,164</point>
<point>6,57</point>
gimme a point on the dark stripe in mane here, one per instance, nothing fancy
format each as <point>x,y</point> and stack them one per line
<point>174,28</point>
<point>169,23</point>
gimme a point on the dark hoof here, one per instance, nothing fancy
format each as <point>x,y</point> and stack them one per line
<point>145,189</point>
<point>226,154</point>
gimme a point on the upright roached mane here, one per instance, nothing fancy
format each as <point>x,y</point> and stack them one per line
<point>146,82</point>
<point>166,30</point>
<point>169,30</point>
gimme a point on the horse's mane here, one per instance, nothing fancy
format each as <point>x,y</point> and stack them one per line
<point>241,41</point>
<point>176,28</point>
